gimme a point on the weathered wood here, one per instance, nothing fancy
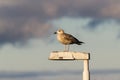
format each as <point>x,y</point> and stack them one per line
<point>86,72</point>
<point>57,55</point>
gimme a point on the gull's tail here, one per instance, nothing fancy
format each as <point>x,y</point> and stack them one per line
<point>80,43</point>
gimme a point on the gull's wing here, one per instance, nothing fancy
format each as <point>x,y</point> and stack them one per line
<point>72,39</point>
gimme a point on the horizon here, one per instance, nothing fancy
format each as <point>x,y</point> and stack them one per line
<point>64,74</point>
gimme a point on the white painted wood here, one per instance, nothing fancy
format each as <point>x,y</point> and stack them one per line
<point>57,55</point>
<point>86,73</point>
<point>80,55</point>
<point>60,56</point>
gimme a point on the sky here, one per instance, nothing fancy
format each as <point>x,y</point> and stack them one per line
<point>27,39</point>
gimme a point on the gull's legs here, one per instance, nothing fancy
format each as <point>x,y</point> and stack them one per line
<point>67,47</point>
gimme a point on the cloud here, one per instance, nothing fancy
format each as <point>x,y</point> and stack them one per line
<point>46,9</point>
<point>21,20</point>
<point>93,24</point>
<point>112,9</point>
<point>71,74</point>
<point>85,8</point>
<point>17,74</point>
<point>12,31</point>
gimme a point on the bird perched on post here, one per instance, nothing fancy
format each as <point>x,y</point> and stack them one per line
<point>67,39</point>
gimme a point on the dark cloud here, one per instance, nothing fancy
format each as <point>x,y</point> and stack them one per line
<point>22,30</point>
<point>94,23</point>
<point>47,9</point>
<point>47,74</point>
<point>21,20</point>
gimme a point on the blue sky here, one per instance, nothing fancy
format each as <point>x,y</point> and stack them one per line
<point>27,27</point>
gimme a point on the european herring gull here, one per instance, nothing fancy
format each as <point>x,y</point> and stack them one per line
<point>67,39</point>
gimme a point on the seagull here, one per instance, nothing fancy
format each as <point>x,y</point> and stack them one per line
<point>67,39</point>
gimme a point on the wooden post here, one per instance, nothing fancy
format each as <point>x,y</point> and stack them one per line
<point>86,73</point>
<point>57,55</point>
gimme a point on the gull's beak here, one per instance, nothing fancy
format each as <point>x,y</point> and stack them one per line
<point>55,32</point>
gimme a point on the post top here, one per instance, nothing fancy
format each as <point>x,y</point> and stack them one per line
<point>62,55</point>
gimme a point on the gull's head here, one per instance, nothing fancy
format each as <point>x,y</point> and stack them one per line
<point>60,31</point>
